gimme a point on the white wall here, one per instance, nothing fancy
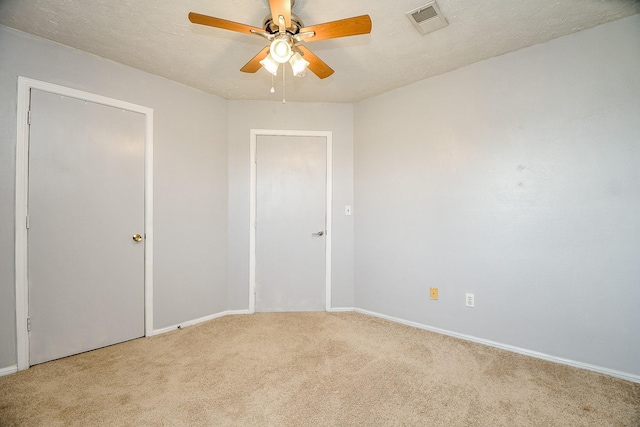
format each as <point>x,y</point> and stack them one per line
<point>190,174</point>
<point>516,179</point>
<point>247,115</point>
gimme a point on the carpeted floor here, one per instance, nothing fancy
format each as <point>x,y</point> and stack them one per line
<point>311,369</point>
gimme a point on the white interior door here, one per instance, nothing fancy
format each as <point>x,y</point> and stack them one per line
<point>86,201</point>
<point>290,223</point>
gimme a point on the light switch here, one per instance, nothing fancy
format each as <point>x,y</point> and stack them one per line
<point>347,210</point>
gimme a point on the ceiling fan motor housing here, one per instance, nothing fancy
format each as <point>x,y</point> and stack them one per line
<point>272,27</point>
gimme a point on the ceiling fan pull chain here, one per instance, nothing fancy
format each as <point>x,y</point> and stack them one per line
<point>284,87</point>
<point>273,90</point>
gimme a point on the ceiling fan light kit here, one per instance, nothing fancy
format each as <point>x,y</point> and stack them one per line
<point>286,32</point>
<point>272,62</point>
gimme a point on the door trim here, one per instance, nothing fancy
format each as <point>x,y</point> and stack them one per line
<point>254,133</point>
<point>22,196</point>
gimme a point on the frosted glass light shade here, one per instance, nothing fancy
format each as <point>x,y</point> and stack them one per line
<point>298,64</point>
<point>270,64</point>
<point>280,50</point>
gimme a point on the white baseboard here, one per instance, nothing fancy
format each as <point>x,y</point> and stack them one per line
<point>8,370</point>
<point>513,349</point>
<point>524,351</point>
<point>235,312</point>
<point>340,309</point>
<point>196,321</point>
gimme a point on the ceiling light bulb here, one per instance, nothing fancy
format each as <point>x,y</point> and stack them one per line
<point>280,50</point>
<point>270,64</point>
<point>298,64</point>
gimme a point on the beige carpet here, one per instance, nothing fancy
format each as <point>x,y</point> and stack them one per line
<point>311,369</point>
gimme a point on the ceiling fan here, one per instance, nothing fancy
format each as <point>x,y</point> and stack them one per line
<point>285,32</point>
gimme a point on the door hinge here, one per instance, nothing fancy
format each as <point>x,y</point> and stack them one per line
<point>29,117</point>
<point>27,222</point>
<point>28,324</point>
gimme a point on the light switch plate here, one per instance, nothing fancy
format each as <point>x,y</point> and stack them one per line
<point>347,210</point>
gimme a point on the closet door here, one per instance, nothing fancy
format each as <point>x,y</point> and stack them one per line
<point>86,226</point>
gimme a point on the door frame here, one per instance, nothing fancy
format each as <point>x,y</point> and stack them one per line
<point>22,196</point>
<point>254,134</point>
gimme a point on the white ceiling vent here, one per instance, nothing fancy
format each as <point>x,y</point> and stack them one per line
<point>427,18</point>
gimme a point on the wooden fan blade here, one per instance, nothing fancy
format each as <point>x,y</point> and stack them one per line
<point>316,65</point>
<point>342,28</point>
<point>196,18</point>
<point>254,65</point>
<point>281,8</point>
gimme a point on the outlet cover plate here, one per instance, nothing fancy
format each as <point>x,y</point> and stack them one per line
<point>470,300</point>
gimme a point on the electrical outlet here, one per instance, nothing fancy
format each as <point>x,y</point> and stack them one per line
<point>433,292</point>
<point>471,300</point>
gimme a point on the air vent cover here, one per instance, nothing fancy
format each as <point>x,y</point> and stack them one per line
<point>427,18</point>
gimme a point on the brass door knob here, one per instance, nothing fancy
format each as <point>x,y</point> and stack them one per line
<point>137,237</point>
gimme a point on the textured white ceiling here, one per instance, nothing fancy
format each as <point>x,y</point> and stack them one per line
<point>156,36</point>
